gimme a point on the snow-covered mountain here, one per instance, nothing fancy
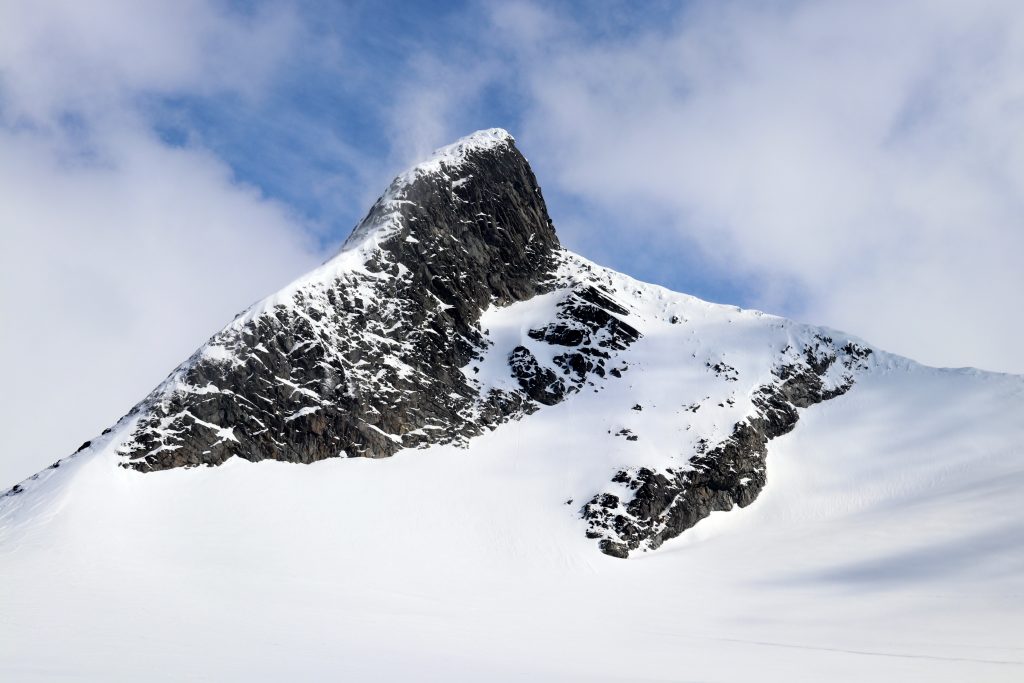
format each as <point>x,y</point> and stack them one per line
<point>489,421</point>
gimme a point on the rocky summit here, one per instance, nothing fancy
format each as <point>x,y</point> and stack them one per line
<point>389,346</point>
<point>364,357</point>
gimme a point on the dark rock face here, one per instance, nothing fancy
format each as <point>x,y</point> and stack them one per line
<point>540,383</point>
<point>664,504</point>
<point>587,324</point>
<point>370,361</point>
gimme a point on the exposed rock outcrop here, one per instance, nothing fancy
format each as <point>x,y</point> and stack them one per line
<point>366,356</point>
<point>665,503</point>
<point>365,360</point>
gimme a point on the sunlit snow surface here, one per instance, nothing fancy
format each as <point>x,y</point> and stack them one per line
<point>888,544</point>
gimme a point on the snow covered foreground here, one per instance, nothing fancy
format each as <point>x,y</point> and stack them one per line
<point>888,545</point>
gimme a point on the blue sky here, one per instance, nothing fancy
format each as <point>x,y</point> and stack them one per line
<point>854,163</point>
<point>318,138</point>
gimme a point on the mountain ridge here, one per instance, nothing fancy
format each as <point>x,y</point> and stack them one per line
<point>379,350</point>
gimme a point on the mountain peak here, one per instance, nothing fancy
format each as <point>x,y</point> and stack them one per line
<point>452,155</point>
<point>365,355</point>
<point>399,342</point>
<point>635,412</point>
<point>453,309</point>
<point>474,209</point>
<point>453,164</point>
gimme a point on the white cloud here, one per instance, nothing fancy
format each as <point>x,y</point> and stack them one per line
<point>429,105</point>
<point>120,254</point>
<point>87,57</point>
<point>867,151</point>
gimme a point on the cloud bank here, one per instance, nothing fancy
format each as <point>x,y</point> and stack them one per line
<point>120,253</point>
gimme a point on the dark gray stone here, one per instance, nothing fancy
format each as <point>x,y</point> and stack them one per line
<point>369,375</point>
<point>667,503</point>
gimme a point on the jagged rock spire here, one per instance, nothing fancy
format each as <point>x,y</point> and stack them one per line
<point>364,356</point>
<point>475,207</point>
